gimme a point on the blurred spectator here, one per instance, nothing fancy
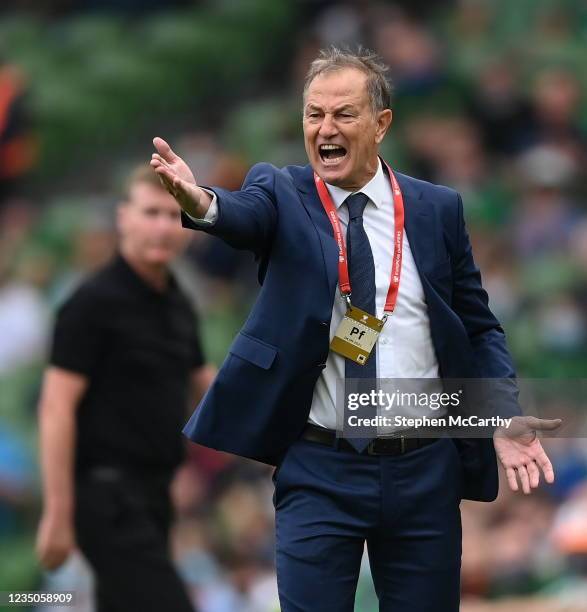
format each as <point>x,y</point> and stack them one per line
<point>16,479</point>
<point>23,313</point>
<point>18,146</point>
<point>546,215</point>
<point>499,107</point>
<point>556,100</point>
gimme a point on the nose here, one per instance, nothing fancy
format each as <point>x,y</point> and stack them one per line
<point>328,127</point>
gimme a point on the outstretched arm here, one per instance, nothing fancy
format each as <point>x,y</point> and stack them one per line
<point>245,219</point>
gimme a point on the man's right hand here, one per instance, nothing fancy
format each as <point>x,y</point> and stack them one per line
<point>178,179</point>
<point>55,540</point>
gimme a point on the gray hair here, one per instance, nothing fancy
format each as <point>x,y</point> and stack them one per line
<point>379,88</point>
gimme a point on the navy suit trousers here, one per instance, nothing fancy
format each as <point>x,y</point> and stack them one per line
<point>330,501</point>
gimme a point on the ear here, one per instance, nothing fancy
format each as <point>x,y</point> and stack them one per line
<point>383,122</point>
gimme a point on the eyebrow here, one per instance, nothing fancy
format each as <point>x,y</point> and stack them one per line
<point>348,106</point>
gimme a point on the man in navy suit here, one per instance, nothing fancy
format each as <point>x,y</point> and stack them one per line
<point>274,399</point>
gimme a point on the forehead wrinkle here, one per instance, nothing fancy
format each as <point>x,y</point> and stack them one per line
<point>337,105</point>
<point>336,99</point>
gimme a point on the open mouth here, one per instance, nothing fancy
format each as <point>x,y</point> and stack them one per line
<point>331,154</point>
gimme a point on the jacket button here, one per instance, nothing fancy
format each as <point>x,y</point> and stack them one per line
<point>325,323</point>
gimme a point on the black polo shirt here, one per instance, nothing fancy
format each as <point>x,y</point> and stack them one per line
<point>137,346</point>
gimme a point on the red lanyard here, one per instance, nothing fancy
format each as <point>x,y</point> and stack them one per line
<point>343,270</point>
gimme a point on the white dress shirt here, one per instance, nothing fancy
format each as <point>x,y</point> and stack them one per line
<point>404,348</point>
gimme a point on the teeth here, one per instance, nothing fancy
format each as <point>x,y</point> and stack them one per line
<point>330,147</point>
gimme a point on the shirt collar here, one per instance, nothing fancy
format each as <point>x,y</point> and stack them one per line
<point>375,189</point>
<point>130,275</point>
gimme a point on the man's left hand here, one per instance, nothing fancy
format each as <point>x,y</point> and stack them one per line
<point>520,452</point>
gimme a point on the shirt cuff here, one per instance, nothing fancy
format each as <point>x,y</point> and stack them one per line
<point>211,214</point>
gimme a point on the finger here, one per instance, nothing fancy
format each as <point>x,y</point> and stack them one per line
<point>162,162</point>
<point>164,149</point>
<point>546,466</point>
<point>158,158</point>
<point>511,476</point>
<point>175,185</point>
<point>544,424</point>
<point>524,479</point>
<point>166,178</point>
<point>165,173</point>
<point>534,474</point>
<point>167,185</point>
<point>155,163</point>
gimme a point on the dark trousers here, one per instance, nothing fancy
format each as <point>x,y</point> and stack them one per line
<point>122,526</point>
<point>329,502</point>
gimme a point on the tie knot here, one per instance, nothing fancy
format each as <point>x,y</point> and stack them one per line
<point>356,204</point>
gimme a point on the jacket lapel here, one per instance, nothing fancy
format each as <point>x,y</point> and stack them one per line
<point>419,225</point>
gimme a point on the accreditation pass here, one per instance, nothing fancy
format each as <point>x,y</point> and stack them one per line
<point>356,335</point>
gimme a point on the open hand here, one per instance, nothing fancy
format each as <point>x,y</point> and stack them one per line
<point>520,452</point>
<point>178,179</point>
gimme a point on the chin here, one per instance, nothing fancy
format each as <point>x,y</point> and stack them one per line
<point>160,258</point>
<point>337,176</point>
<point>331,175</point>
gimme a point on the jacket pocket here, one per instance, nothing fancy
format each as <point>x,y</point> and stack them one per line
<point>253,350</point>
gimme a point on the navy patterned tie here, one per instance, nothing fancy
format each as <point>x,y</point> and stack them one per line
<point>362,277</point>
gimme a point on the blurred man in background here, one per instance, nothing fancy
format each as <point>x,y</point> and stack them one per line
<point>125,364</point>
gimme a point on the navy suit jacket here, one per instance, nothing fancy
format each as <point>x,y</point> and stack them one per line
<point>260,400</point>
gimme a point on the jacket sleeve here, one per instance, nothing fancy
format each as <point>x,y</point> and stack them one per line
<point>246,218</point>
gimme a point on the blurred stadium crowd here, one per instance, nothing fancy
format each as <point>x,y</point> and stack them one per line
<point>490,99</point>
